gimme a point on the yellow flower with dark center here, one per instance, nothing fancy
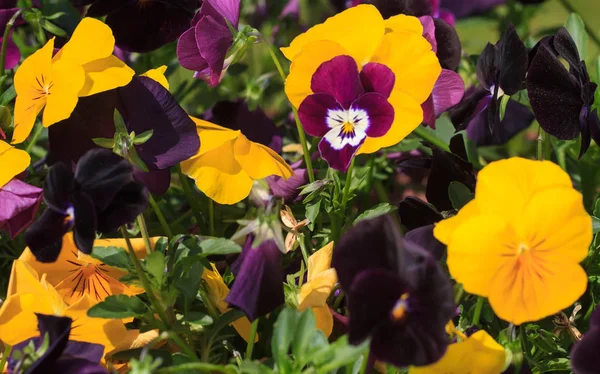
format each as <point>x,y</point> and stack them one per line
<point>227,163</point>
<point>520,241</point>
<point>84,66</point>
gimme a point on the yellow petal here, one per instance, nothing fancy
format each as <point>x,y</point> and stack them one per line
<point>67,78</point>
<point>408,115</point>
<point>92,40</point>
<point>415,65</point>
<point>320,261</point>
<point>477,249</point>
<point>480,353</point>
<point>14,161</point>
<point>105,74</point>
<point>17,317</point>
<point>158,75</point>
<point>404,23</point>
<point>443,230</point>
<point>259,161</point>
<point>504,187</point>
<point>23,279</point>
<point>219,175</point>
<point>217,288</point>
<point>30,79</point>
<point>212,136</point>
<point>324,319</point>
<point>315,292</point>
<point>305,64</point>
<point>358,30</point>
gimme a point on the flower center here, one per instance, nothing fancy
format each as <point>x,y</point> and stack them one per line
<point>88,270</point>
<point>347,128</point>
<point>70,218</point>
<point>522,248</point>
<point>400,311</point>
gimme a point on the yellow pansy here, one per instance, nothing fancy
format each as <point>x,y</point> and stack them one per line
<point>520,241</point>
<point>14,161</point>
<point>84,66</point>
<point>227,163</point>
<point>399,59</point>
<point>313,294</point>
<point>217,292</point>
<point>158,75</point>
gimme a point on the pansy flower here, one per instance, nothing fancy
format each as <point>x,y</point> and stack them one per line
<point>520,241</point>
<point>20,202</point>
<point>584,354</point>
<point>204,46</point>
<point>398,295</point>
<point>562,99</point>
<point>358,81</point>
<point>62,355</point>
<point>100,196</point>
<point>84,66</point>
<point>143,25</point>
<point>501,70</point>
<point>75,274</point>
<point>14,161</point>
<point>227,164</point>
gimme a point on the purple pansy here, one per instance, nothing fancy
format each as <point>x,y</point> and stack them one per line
<point>347,107</point>
<point>20,202</point>
<point>584,355</point>
<point>204,46</point>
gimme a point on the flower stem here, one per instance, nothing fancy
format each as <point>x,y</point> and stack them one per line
<point>161,217</point>
<point>5,355</point>
<point>36,134</point>
<point>5,39</point>
<point>344,204</point>
<point>478,308</point>
<point>211,217</point>
<point>187,190</point>
<point>428,136</point>
<point>250,346</point>
<point>184,347</point>
<point>144,230</point>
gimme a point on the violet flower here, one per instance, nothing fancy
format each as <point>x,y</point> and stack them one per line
<point>204,46</point>
<point>501,70</point>
<point>100,196</point>
<point>562,99</point>
<point>143,25</point>
<point>62,354</point>
<point>20,202</point>
<point>584,355</point>
<point>397,294</point>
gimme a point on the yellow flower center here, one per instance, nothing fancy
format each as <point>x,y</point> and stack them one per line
<point>522,248</point>
<point>399,313</point>
<point>348,128</point>
<point>88,270</point>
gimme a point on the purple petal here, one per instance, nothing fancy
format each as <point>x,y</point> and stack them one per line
<point>86,351</point>
<point>429,31</point>
<point>77,366</point>
<point>415,213</point>
<point>230,9</point>
<point>377,78</point>
<point>423,237</point>
<point>429,116</point>
<point>338,148</point>
<point>517,118</point>
<point>157,181</point>
<point>13,55</point>
<point>44,236</point>
<point>448,17</point>
<point>584,355</point>
<point>462,8</point>
<point>292,8</point>
<point>147,105</point>
<point>188,53</point>
<point>380,113</point>
<point>389,8</point>
<point>314,111</point>
<point>448,43</point>
<point>20,202</point>
<point>213,40</point>
<point>130,202</point>
<point>447,92</point>
<point>339,78</point>
<point>288,189</point>
<point>258,286</point>
<point>84,231</point>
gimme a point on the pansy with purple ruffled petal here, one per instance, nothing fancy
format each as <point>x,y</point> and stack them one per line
<point>204,46</point>
<point>347,107</point>
<point>584,355</point>
<point>20,202</point>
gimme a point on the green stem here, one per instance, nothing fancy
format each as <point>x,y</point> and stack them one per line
<point>6,38</point>
<point>184,347</point>
<point>428,136</point>
<point>211,217</point>
<point>187,190</point>
<point>145,283</point>
<point>540,144</point>
<point>5,355</point>
<point>161,217</point>
<point>250,346</point>
<point>478,308</point>
<point>144,230</point>
<point>590,30</point>
<point>364,363</point>
<point>303,248</point>
<point>36,134</point>
<point>198,367</point>
<point>346,194</point>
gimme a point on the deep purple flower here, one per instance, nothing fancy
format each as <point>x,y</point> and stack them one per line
<point>562,99</point>
<point>420,219</point>
<point>62,355</point>
<point>288,189</point>
<point>397,294</point>
<point>501,70</point>
<point>143,25</point>
<point>204,46</point>
<point>100,196</point>
<point>346,114</point>
<point>258,286</point>
<point>145,105</point>
<point>20,202</point>
<point>584,355</point>
<point>465,8</point>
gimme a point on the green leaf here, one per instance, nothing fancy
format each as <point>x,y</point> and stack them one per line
<point>376,211</point>
<point>283,334</point>
<point>135,159</point>
<point>112,256</point>
<point>143,137</point>
<point>107,143</point>
<point>155,266</point>
<point>304,331</point>
<point>5,117</point>
<point>459,194</point>
<point>503,103</point>
<point>595,225</point>
<point>312,212</point>
<point>339,354</point>
<point>219,246</point>
<point>119,306</point>
<point>52,28</point>
<point>314,186</point>
<point>120,123</point>
<point>8,95</point>
<point>576,28</point>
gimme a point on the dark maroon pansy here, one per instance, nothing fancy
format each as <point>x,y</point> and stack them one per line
<point>204,46</point>
<point>100,196</point>
<point>584,355</point>
<point>145,105</point>
<point>62,355</point>
<point>20,202</point>
<point>501,70</point>
<point>397,294</point>
<point>562,99</point>
<point>258,286</point>
<point>143,25</point>
<point>420,218</point>
<point>347,107</point>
